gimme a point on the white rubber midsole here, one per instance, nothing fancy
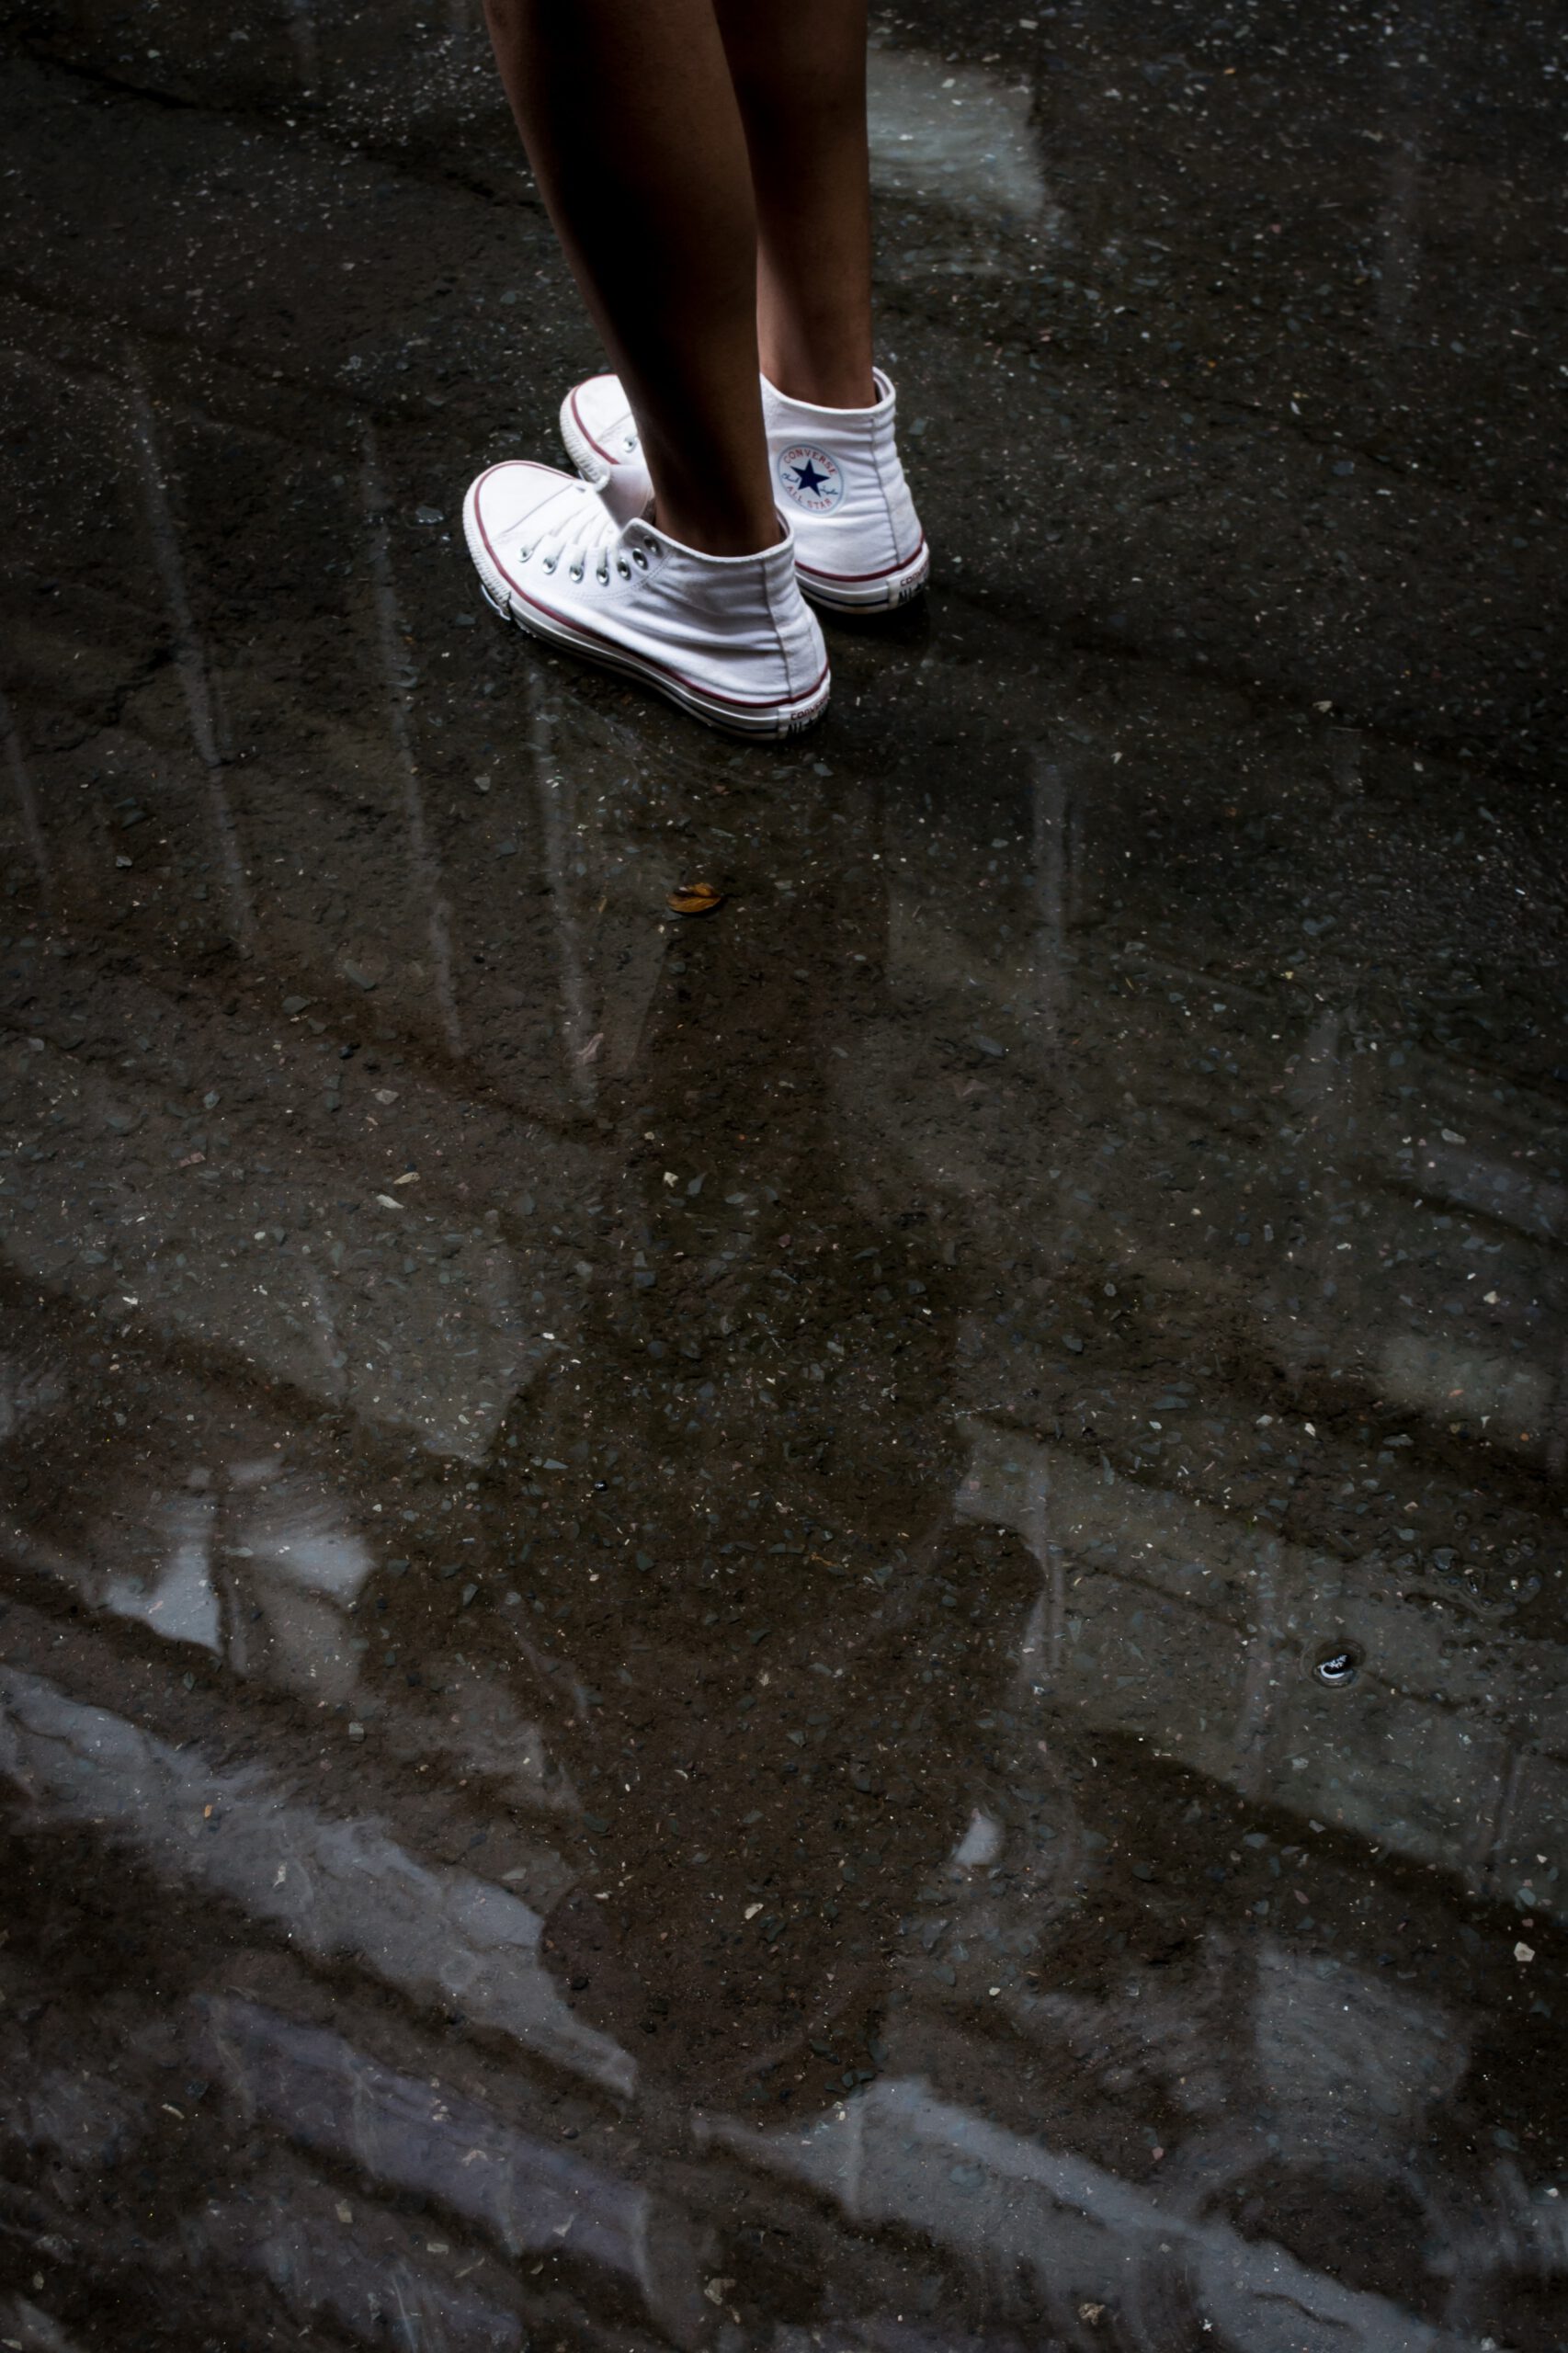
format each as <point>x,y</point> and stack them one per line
<point>866,596</point>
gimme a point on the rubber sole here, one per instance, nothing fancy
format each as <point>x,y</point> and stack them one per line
<point>886,590</point>
<point>866,596</point>
<point>767,720</point>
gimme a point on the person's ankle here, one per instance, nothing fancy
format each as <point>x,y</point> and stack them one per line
<point>707,534</point>
<point>822,383</point>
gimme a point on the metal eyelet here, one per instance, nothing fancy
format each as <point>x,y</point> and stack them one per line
<point>623,567</point>
<point>523,554</point>
<point>574,572</point>
<point>638,557</point>
<point>602,575</point>
<point>551,561</point>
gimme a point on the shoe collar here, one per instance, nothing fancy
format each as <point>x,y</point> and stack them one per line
<point>644,530</point>
<point>881,407</point>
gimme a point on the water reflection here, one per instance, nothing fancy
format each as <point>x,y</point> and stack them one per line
<point>959,142</point>
<point>189,656</point>
<point>331,1886</point>
<point>27,800</point>
<point>665,1584</point>
<point>259,1575</point>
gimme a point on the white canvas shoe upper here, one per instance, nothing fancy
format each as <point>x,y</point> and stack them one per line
<point>836,476</point>
<point>729,638</point>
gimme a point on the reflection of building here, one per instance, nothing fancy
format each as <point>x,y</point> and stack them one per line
<point>1219,1212</point>
<point>363,1989</point>
<point>351,2136</point>
<point>1164,2260</point>
<point>247,1573</point>
<point>1166,1621</point>
<point>335,1888</point>
<point>386,1299</point>
<point>363,2007</point>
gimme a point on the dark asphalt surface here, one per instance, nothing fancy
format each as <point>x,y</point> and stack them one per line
<point>837,1625</point>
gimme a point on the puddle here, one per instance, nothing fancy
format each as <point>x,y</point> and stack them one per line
<point>839,1626</point>
<point>961,142</point>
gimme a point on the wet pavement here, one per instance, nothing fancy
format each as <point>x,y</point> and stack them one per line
<point>839,1625</point>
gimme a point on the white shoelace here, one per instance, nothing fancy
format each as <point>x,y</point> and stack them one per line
<point>587,532</point>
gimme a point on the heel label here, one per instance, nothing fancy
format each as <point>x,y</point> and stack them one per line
<point>810,479</point>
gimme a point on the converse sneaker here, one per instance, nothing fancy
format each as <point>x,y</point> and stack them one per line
<point>729,638</point>
<point>835,474</point>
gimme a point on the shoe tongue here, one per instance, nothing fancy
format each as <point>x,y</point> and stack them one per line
<point>628,501</point>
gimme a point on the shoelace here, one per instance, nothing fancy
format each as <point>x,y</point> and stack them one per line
<point>587,530</point>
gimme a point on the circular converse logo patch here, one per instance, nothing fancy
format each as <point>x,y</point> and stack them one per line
<point>811,479</point>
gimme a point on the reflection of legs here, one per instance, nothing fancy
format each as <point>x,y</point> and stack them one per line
<point>629,120</point>
<point>799,74</point>
<point>712,2003</point>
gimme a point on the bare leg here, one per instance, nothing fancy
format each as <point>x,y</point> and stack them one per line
<point>799,74</point>
<point>629,116</point>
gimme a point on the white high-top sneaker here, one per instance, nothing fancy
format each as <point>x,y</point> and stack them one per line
<point>729,638</point>
<point>835,474</point>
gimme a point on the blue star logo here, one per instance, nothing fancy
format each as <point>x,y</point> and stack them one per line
<point>808,479</point>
